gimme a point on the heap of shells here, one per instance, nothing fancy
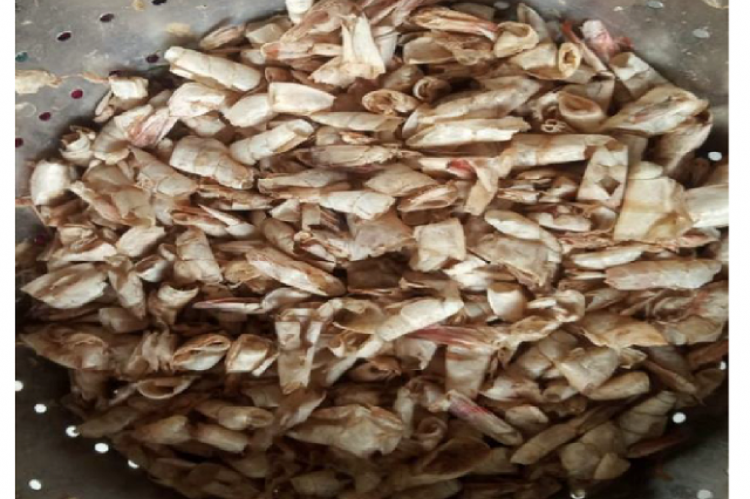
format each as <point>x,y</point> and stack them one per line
<point>385,249</point>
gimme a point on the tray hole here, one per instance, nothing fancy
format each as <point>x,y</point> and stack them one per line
<point>76,94</point>
<point>64,36</point>
<point>19,143</point>
<point>35,484</point>
<point>158,2</point>
<point>41,239</point>
<point>107,18</point>
<point>101,448</point>
<point>22,56</point>
<point>45,116</point>
<point>152,58</point>
<point>40,408</point>
<point>72,431</point>
<point>19,384</point>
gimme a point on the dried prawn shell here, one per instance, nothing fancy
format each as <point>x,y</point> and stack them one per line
<point>503,96</point>
<point>583,114</point>
<point>358,121</point>
<point>194,99</point>
<point>444,19</point>
<point>652,210</point>
<point>646,419</point>
<point>195,259</point>
<point>127,285</point>
<point>76,146</point>
<point>251,110</point>
<point>416,314</point>
<point>163,388</point>
<point>69,287</point>
<point>83,347</point>
<point>280,139</point>
<point>708,206</point>
<point>220,437</point>
<point>675,274</point>
<point>360,56</point>
<point>399,180</point>
<point>210,158</point>
<point>212,70</point>
<point>606,258</point>
<point>30,81</point>
<point>297,274</point>
<point>389,102</point>
<point>544,443</point>
<point>619,331</point>
<point>367,205</point>
<point>172,430</point>
<point>470,131</point>
<point>606,176</point>
<point>635,74</point>
<point>235,417</point>
<point>437,244</point>
<point>482,419</point>
<point>513,38</point>
<point>50,181</point>
<point>165,303</point>
<point>660,110</point>
<point>155,176</point>
<point>250,353</point>
<point>231,34</point>
<point>527,150</point>
<point>297,9</point>
<point>351,156</point>
<point>354,428</point>
<point>294,98</point>
<point>200,353</point>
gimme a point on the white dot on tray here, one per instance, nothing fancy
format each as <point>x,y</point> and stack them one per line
<point>679,417</point>
<point>101,448</point>
<point>72,431</point>
<point>40,408</point>
<point>723,366</point>
<point>19,385</point>
<point>705,494</point>
<point>133,465</point>
<point>715,156</point>
<point>577,494</point>
<point>655,4</point>
<point>35,484</point>
<point>701,33</point>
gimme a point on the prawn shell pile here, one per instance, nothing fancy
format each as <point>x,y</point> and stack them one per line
<point>384,249</point>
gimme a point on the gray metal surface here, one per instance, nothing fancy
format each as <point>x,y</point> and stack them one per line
<point>663,32</point>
